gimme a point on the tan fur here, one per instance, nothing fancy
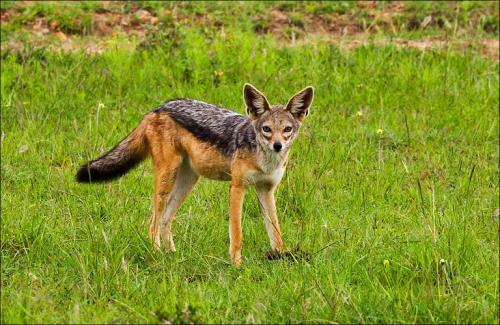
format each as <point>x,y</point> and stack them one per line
<point>171,146</point>
<point>179,159</point>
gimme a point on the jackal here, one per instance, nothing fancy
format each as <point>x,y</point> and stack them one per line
<point>187,139</point>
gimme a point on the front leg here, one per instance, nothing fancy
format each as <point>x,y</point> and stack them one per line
<point>237,195</point>
<point>267,203</point>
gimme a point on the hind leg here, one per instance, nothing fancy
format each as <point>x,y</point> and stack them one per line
<point>165,173</point>
<point>185,181</point>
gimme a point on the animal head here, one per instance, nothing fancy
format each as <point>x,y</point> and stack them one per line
<point>277,126</point>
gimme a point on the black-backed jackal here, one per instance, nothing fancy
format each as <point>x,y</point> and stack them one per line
<point>187,139</point>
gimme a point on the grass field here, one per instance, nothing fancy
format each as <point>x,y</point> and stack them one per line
<point>392,186</point>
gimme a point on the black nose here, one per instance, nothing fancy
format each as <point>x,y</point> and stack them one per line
<point>277,146</point>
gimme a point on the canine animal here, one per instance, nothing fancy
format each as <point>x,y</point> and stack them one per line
<point>187,139</point>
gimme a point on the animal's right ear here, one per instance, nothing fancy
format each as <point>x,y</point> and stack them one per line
<point>255,101</point>
<point>300,103</point>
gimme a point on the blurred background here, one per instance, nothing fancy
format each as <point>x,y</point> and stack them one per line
<point>94,26</point>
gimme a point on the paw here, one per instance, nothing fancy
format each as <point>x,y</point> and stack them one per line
<point>169,244</point>
<point>236,258</point>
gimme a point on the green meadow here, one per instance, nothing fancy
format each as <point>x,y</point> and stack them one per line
<point>392,186</point>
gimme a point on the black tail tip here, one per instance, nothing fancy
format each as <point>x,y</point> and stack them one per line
<point>83,174</point>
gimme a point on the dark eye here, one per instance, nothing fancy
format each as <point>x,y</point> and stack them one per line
<point>266,129</point>
<point>288,129</point>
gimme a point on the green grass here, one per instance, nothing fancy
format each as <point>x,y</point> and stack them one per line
<point>378,212</point>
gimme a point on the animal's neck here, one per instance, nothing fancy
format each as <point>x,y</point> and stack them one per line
<point>268,161</point>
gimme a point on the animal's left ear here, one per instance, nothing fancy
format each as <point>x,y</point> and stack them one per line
<point>300,103</point>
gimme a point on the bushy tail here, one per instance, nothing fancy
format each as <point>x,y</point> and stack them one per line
<point>123,157</point>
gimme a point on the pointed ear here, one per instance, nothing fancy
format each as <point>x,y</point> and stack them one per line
<point>255,101</point>
<point>300,103</point>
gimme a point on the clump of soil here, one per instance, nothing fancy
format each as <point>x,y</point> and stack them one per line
<point>294,255</point>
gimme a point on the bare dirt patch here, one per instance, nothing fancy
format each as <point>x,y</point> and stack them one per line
<point>345,30</point>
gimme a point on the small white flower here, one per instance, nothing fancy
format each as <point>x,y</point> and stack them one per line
<point>124,264</point>
<point>23,148</point>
